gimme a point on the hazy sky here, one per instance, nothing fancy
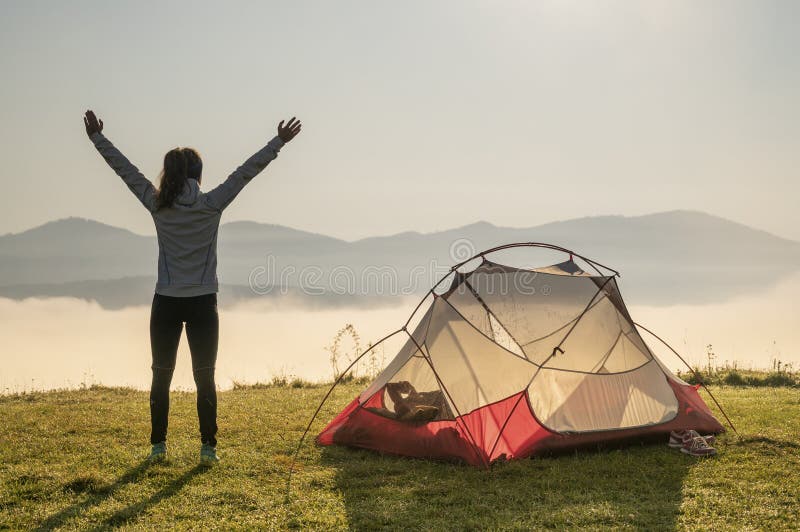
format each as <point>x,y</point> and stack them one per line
<point>417,115</point>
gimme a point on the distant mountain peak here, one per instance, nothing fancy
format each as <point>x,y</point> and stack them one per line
<point>72,225</point>
<point>248,229</point>
<point>481,224</point>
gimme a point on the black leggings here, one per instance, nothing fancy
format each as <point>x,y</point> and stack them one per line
<point>167,316</point>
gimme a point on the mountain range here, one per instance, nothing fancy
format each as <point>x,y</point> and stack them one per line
<point>664,258</point>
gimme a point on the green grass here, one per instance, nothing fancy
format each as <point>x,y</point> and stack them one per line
<point>75,460</point>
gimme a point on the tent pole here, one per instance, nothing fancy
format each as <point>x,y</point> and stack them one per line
<point>500,248</point>
<point>341,376</point>
<point>441,384</point>
<point>696,374</point>
<point>537,245</point>
<point>482,333</point>
<point>330,390</point>
<point>429,292</point>
<point>492,314</point>
<point>555,349</point>
<point>585,310</point>
<point>519,399</point>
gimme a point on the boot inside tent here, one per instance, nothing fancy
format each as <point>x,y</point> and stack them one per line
<point>509,362</point>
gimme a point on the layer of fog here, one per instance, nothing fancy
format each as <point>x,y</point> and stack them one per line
<point>68,343</point>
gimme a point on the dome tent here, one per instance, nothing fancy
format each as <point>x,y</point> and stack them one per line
<point>510,362</point>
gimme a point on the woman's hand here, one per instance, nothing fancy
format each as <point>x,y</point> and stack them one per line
<point>93,125</point>
<point>286,133</point>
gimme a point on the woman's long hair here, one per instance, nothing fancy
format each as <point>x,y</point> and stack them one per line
<point>180,164</point>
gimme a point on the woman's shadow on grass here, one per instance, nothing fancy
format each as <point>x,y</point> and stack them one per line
<point>637,486</point>
<point>104,492</point>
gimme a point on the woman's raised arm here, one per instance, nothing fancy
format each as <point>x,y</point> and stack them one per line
<point>221,196</point>
<point>141,187</point>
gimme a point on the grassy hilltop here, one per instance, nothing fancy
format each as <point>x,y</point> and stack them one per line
<point>75,460</point>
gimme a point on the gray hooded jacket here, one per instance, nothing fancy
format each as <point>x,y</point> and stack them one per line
<point>187,231</point>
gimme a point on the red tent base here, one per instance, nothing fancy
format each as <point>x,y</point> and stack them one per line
<point>507,430</point>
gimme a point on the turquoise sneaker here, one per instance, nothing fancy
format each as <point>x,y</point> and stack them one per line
<point>158,452</point>
<point>208,454</point>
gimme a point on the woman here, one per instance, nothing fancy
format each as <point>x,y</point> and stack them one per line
<point>186,222</point>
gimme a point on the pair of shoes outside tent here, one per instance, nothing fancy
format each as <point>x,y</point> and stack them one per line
<point>692,443</point>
